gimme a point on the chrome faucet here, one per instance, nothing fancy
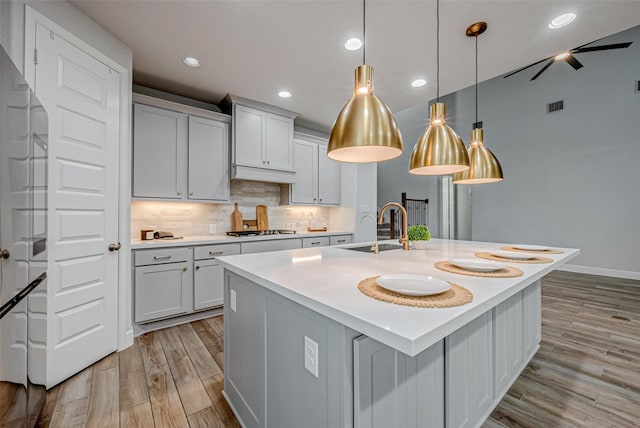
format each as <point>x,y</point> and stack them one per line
<point>404,239</point>
<point>375,248</point>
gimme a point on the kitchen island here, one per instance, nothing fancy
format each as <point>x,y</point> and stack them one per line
<point>304,347</point>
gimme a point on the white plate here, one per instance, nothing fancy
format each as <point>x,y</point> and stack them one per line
<point>514,255</point>
<point>413,285</point>
<point>477,265</point>
<point>530,247</point>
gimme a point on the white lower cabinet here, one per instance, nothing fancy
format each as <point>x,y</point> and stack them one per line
<point>531,315</point>
<point>507,342</point>
<point>163,291</point>
<point>208,280</point>
<point>469,372</point>
<point>417,385</point>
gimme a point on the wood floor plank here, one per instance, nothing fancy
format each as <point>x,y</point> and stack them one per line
<point>206,418</point>
<point>72,403</point>
<point>139,416</point>
<point>51,397</point>
<point>200,356</point>
<point>212,341</point>
<point>108,362</point>
<point>104,405</point>
<point>192,392</point>
<point>133,382</point>
<point>165,401</point>
<point>214,386</point>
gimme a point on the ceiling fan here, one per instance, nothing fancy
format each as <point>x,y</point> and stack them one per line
<point>569,57</point>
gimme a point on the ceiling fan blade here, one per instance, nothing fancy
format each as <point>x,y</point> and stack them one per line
<point>573,62</point>
<point>524,68</point>
<point>602,47</point>
<point>551,61</point>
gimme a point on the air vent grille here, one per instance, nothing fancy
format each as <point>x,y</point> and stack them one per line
<point>555,106</point>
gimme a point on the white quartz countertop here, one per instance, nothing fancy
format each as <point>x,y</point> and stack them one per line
<point>137,244</point>
<point>326,280</point>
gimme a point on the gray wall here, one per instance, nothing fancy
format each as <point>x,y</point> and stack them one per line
<point>394,177</point>
<point>572,177</point>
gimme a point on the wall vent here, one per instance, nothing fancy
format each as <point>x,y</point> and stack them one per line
<point>555,106</point>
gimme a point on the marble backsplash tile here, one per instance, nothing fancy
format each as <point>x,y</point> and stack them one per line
<point>193,218</point>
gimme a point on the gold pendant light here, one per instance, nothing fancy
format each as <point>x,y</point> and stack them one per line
<point>483,165</point>
<point>440,150</point>
<point>365,130</point>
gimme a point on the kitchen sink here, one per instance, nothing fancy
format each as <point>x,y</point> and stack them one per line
<point>381,247</point>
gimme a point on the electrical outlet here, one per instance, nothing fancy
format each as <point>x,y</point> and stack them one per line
<point>311,356</point>
<point>233,300</point>
<point>213,229</point>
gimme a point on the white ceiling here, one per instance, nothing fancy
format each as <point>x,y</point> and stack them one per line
<point>257,48</point>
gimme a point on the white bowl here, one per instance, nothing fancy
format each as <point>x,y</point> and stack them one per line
<point>526,247</point>
<point>413,285</point>
<point>476,265</point>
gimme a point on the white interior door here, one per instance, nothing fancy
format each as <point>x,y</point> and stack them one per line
<point>81,96</point>
<point>14,221</point>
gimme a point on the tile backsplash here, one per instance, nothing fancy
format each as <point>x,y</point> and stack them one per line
<point>194,218</point>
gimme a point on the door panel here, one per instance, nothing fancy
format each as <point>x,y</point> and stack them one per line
<point>249,130</point>
<point>208,159</point>
<point>279,142</point>
<point>81,95</point>
<point>305,189</point>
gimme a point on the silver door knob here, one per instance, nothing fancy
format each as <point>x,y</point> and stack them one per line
<point>5,254</point>
<point>114,247</point>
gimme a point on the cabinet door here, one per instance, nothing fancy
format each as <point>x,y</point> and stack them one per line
<point>469,372</point>
<point>162,291</point>
<point>249,131</point>
<point>531,312</point>
<point>507,342</point>
<point>208,284</point>
<point>278,142</point>
<point>391,389</point>
<point>208,160</point>
<point>305,189</point>
<point>328,179</point>
<point>159,153</point>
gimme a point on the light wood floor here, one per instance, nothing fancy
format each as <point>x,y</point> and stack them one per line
<point>587,372</point>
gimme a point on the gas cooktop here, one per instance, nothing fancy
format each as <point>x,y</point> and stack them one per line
<point>260,232</point>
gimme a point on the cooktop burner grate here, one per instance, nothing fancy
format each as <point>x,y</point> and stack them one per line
<point>260,232</point>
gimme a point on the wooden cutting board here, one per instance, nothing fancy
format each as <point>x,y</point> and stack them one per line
<point>262,217</point>
<point>236,219</point>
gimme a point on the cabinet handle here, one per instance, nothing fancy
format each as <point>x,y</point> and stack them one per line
<point>190,193</point>
<point>264,161</point>
<point>179,193</point>
<point>320,199</point>
<point>268,162</point>
<point>161,257</point>
<point>197,268</point>
<point>184,269</point>
<point>314,199</point>
<point>315,243</point>
<point>215,253</point>
<point>340,241</point>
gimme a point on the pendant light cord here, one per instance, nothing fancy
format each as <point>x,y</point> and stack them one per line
<point>476,82</point>
<point>364,32</point>
<point>438,51</point>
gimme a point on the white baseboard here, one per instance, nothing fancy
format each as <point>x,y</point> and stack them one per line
<point>615,273</point>
<point>139,329</point>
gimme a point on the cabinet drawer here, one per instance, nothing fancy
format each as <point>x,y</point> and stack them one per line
<point>340,240</point>
<point>320,241</point>
<point>217,250</point>
<point>161,255</point>
<point>275,245</point>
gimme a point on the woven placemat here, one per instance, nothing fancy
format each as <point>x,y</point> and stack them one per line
<point>456,296</point>
<point>549,251</point>
<point>489,256</point>
<point>506,272</point>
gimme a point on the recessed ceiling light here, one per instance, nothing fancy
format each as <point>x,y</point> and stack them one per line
<point>191,62</point>
<point>418,83</point>
<point>284,94</point>
<point>353,44</point>
<point>562,21</point>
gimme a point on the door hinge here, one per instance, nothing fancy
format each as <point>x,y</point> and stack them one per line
<point>35,56</point>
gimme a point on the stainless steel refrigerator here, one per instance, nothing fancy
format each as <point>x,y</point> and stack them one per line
<point>23,247</point>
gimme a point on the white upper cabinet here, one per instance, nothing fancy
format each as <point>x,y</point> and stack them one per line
<point>179,152</point>
<point>262,142</point>
<point>208,159</point>
<point>317,176</point>
<point>159,152</point>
